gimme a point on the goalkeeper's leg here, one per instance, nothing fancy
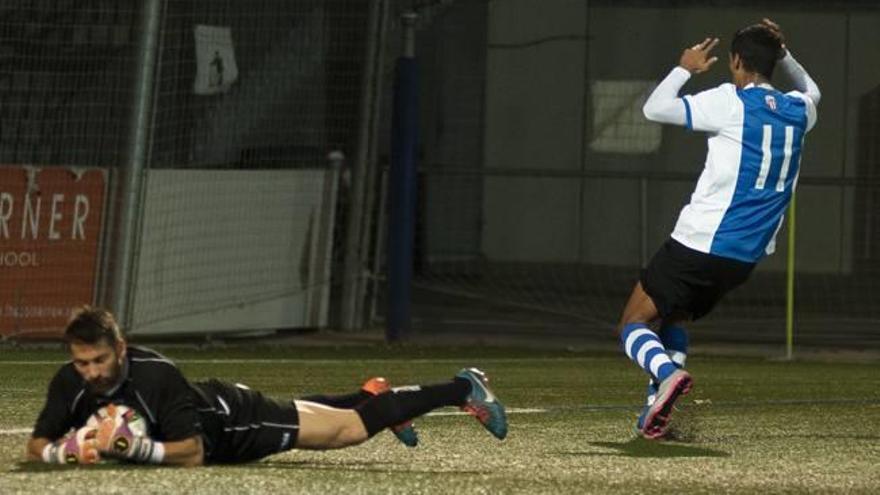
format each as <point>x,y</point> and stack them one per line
<point>405,432</point>
<point>323,427</point>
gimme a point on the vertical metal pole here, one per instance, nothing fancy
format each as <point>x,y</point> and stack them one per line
<point>355,265</point>
<point>403,186</point>
<point>130,178</point>
<point>378,247</point>
<point>789,282</point>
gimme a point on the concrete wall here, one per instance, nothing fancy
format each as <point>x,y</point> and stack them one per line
<point>534,119</point>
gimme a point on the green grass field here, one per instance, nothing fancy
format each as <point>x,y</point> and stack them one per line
<point>749,426</point>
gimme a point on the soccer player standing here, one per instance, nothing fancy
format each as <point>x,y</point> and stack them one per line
<point>755,140</point>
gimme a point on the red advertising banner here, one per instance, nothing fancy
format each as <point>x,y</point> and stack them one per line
<point>50,229</point>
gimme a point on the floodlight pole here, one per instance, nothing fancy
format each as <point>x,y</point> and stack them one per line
<point>403,186</point>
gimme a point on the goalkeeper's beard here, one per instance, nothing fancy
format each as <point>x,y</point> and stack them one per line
<point>102,385</point>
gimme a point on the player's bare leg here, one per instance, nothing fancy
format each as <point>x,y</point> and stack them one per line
<point>639,308</point>
<point>324,427</point>
<point>405,432</point>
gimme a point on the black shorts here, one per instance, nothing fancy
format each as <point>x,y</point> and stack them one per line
<point>684,282</point>
<point>241,425</point>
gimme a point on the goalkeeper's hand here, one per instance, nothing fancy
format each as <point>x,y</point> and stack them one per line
<point>80,447</point>
<point>114,439</point>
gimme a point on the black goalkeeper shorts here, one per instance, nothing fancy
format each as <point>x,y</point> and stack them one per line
<point>241,425</point>
<point>684,282</point>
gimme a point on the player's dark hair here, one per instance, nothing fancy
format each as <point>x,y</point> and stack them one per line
<point>92,325</point>
<point>758,48</point>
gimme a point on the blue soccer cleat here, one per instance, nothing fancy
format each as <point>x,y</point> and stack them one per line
<point>405,432</point>
<point>655,423</point>
<point>482,404</point>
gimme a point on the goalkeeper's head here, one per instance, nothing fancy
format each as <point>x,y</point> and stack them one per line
<point>97,348</point>
<point>755,49</point>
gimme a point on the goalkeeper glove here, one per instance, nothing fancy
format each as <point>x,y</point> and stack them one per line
<point>78,448</point>
<point>115,439</point>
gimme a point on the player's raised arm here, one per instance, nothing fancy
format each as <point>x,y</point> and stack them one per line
<point>664,105</point>
<point>794,70</point>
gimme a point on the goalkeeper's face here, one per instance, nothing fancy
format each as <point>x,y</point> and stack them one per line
<point>99,364</point>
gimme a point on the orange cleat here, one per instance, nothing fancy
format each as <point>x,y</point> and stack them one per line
<point>405,432</point>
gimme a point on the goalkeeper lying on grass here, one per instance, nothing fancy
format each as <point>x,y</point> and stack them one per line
<point>125,402</point>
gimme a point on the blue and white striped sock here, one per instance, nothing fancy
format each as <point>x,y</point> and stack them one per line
<point>675,340</point>
<point>644,347</point>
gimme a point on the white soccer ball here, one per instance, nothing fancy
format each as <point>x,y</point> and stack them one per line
<point>122,415</point>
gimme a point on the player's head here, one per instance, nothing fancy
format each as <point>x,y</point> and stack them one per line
<point>97,347</point>
<point>755,50</point>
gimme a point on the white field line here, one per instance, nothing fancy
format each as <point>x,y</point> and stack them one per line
<point>15,431</point>
<point>870,402</point>
<point>511,410</point>
<point>23,431</point>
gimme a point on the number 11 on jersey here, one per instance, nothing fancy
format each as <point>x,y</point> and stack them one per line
<point>767,157</point>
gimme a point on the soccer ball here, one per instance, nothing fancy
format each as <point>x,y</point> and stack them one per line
<point>122,415</point>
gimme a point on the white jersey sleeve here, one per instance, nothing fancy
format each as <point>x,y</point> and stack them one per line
<point>812,115</point>
<point>711,110</point>
<point>805,88</point>
<point>664,105</point>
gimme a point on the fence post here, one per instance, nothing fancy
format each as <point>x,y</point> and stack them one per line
<point>355,264</point>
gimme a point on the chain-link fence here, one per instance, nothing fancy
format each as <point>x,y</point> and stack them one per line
<point>188,142</point>
<point>215,206</point>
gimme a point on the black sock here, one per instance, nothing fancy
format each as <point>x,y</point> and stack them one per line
<point>348,401</point>
<point>405,403</point>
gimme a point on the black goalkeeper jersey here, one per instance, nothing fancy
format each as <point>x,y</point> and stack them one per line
<point>153,386</point>
<point>236,424</point>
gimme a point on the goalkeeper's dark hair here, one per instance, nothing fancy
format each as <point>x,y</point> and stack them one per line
<point>92,325</point>
<point>758,48</point>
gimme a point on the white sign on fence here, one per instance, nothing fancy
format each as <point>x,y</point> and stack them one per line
<point>216,69</point>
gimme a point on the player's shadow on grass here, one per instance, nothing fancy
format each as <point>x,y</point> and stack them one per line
<point>42,467</point>
<point>639,447</point>
<point>364,466</point>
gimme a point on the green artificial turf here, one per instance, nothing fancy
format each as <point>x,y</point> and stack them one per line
<point>749,426</point>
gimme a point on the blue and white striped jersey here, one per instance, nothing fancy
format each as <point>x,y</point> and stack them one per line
<point>752,166</point>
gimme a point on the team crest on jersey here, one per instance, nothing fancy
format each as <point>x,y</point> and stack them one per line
<point>771,102</point>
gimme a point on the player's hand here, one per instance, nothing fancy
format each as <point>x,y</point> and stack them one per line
<point>114,436</point>
<point>115,439</point>
<point>775,29</point>
<point>79,447</point>
<point>696,59</point>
